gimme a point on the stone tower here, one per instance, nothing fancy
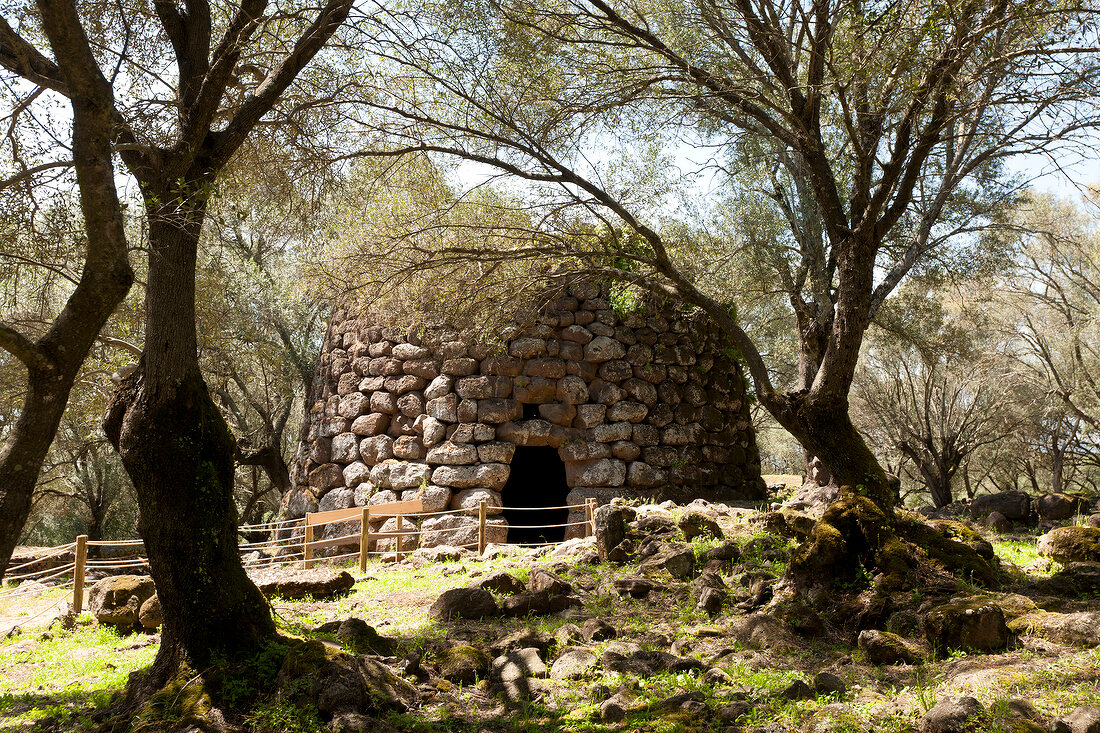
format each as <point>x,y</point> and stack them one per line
<point>587,402</point>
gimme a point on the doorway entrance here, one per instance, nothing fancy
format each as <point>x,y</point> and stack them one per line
<point>537,480</point>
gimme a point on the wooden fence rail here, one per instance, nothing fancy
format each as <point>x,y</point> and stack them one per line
<point>400,510</point>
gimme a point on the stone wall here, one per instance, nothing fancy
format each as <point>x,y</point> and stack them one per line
<point>646,403</point>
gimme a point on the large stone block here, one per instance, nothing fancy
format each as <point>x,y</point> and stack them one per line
<point>484,476</point>
<point>355,474</point>
<point>459,530</point>
<point>345,448</point>
<point>495,411</point>
<point>534,390</point>
<point>450,454</point>
<point>470,499</point>
<point>353,405</point>
<point>373,424</point>
<point>444,408</point>
<point>496,452</point>
<point>603,348</point>
<point>376,449</point>
<point>600,472</point>
<point>406,383</point>
<point>411,404</point>
<point>326,477</point>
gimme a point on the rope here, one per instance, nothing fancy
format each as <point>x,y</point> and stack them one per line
<point>547,526</point>
<point>111,565</point>
<point>38,573</point>
<point>540,508</point>
<point>21,592</point>
<point>117,543</point>
<point>54,552</point>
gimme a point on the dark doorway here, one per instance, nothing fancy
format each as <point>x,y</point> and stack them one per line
<point>537,480</point>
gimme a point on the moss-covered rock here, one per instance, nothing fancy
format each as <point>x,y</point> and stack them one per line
<point>1071,544</point>
<point>322,674</point>
<point>882,647</point>
<point>117,600</point>
<point>955,548</point>
<point>463,663</point>
<point>1075,629</point>
<point>973,623</point>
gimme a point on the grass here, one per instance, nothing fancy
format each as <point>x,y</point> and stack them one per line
<point>63,674</point>
<point>1020,552</point>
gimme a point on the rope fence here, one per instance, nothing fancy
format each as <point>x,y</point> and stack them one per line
<point>292,549</point>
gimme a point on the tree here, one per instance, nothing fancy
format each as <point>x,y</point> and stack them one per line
<point>230,67</point>
<point>1049,319</point>
<point>53,360</point>
<point>934,391</point>
<point>873,120</point>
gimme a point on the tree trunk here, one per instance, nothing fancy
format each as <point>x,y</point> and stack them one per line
<point>54,360</point>
<point>823,427</point>
<point>179,453</point>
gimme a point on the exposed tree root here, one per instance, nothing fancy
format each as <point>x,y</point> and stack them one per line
<point>856,558</point>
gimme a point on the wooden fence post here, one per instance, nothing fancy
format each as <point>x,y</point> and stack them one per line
<point>588,518</point>
<point>364,540</point>
<point>400,529</point>
<point>482,513</point>
<point>307,546</point>
<point>78,573</point>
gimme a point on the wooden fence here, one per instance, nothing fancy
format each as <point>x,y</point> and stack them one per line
<point>287,549</point>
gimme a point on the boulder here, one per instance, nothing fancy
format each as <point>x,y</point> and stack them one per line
<point>503,583</point>
<point>1056,507</point>
<point>150,614</point>
<point>596,629</point>
<point>527,604</point>
<point>118,600</point>
<point>318,583</point>
<point>634,586</point>
<point>1071,544</point>
<point>974,623</point>
<point>544,580</point>
<point>523,639</point>
<point>1075,629</point>
<point>675,559</point>
<point>361,638</point>
<point>952,715</point>
<point>464,603</point>
<point>1014,505</point>
<point>882,647</point>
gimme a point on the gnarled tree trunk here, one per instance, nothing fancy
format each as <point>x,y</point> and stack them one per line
<point>179,453</point>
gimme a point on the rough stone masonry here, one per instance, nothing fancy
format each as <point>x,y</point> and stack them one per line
<point>645,403</point>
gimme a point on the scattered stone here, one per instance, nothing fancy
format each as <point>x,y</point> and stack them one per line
<point>1075,629</point>
<point>595,629</point>
<point>797,690</point>
<point>998,522</point>
<point>503,583</point>
<point>827,683</point>
<point>573,663</point>
<point>952,715</point>
<point>568,635</point>
<point>150,614</point>
<point>544,580</point>
<point>464,603</point>
<point>518,664</point>
<point>882,647</point>
<point>614,709</point>
<point>634,586</point>
<point>522,639</point>
<point>715,677</point>
<point>117,600</point>
<point>441,553</point>
<point>967,623</point>
<point>527,604</point>
<point>711,600</point>
<point>317,583</point>
<point>610,530</point>
<point>1056,507</point>
<point>463,664</point>
<point>695,523</point>
<point>677,560</point>
<point>360,637</point>
<point>1012,505</point>
<point>1085,719</point>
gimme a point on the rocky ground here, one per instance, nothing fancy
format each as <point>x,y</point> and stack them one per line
<point>674,628</point>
